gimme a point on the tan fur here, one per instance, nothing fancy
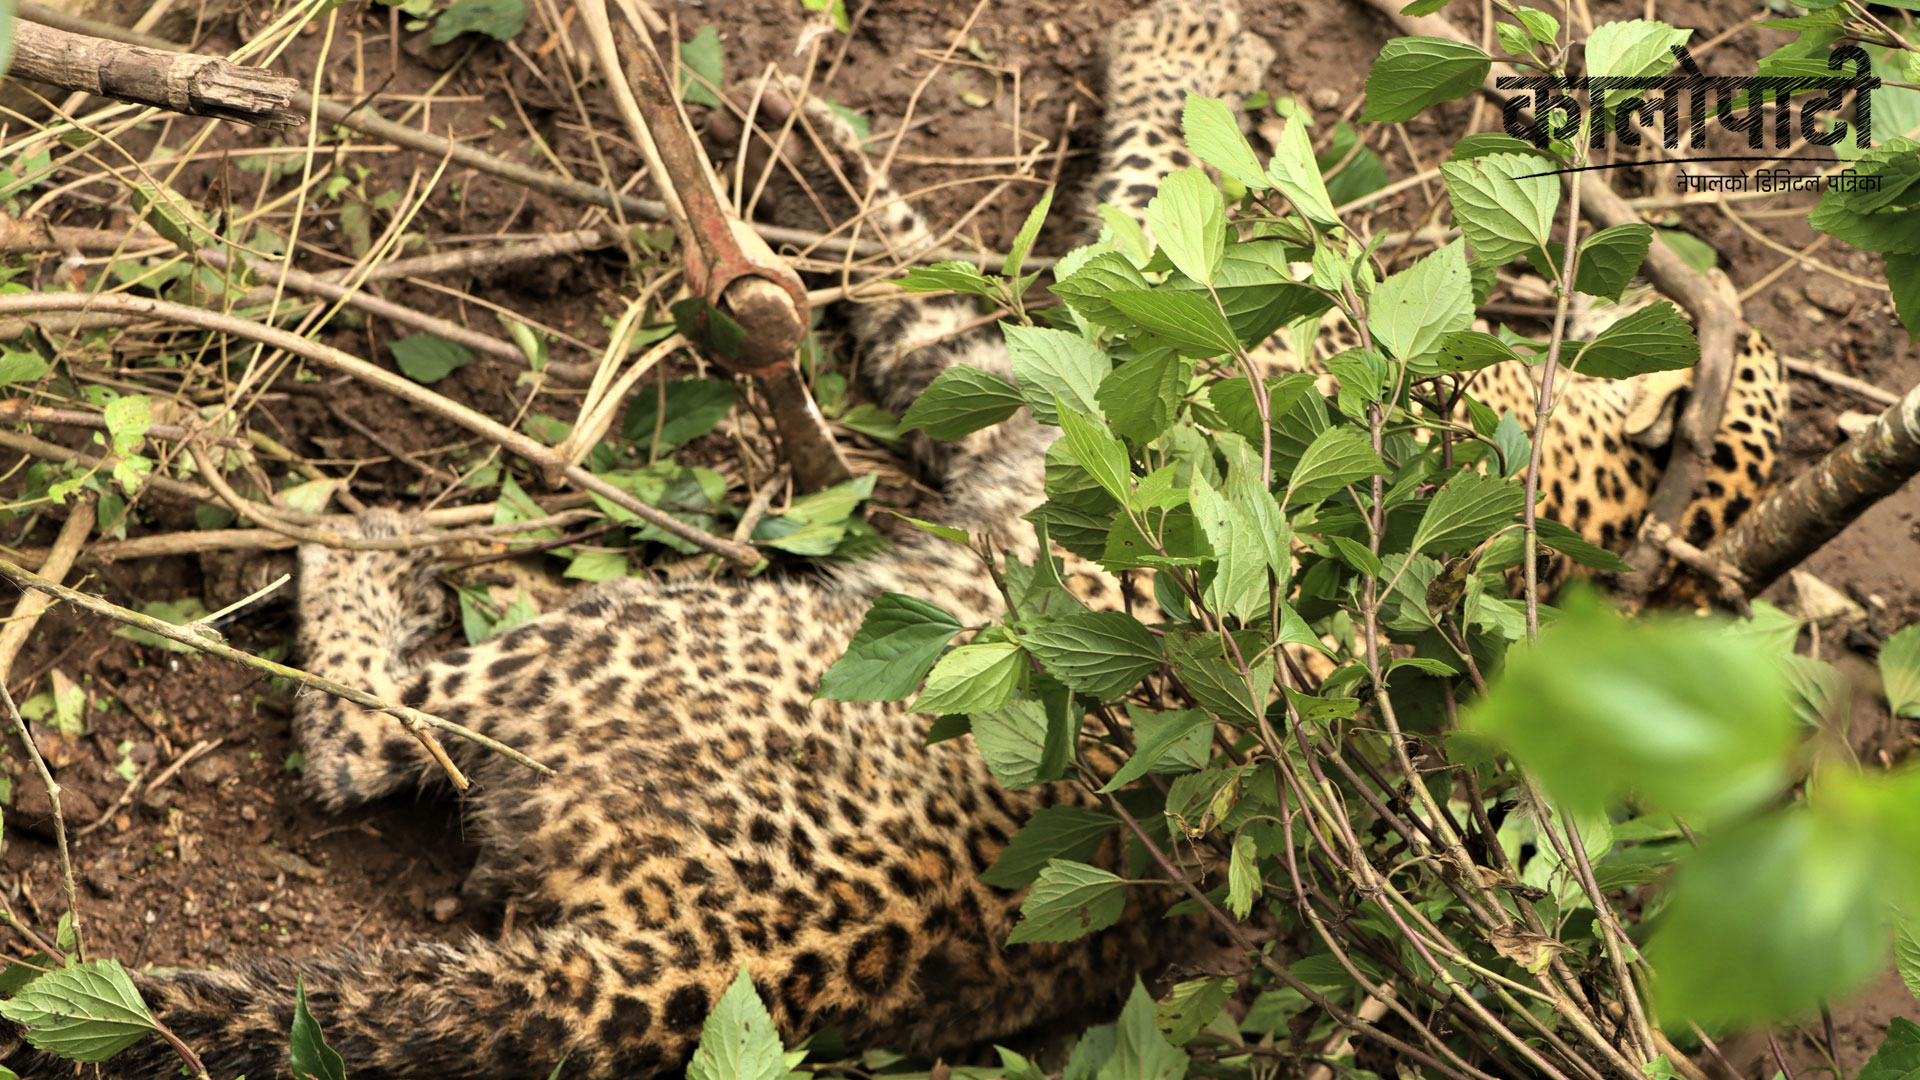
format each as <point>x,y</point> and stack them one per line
<point>707,812</point>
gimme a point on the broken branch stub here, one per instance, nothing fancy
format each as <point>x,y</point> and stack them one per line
<point>178,82</point>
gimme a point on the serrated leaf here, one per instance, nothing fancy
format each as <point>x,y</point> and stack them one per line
<point>597,566</point>
<point>1610,258</point>
<point>500,20</point>
<point>1906,956</point>
<point>87,1012</point>
<point>1900,672</point>
<point>1050,364</point>
<point>1029,231</point>
<point>1213,134</point>
<point>738,1040</point>
<point>426,358</point>
<point>1413,309</point>
<point>1898,1055</point>
<point>1543,27</point>
<point>1140,1051</point>
<point>897,642</point>
<point>128,417</point>
<point>1068,901</point>
<point>1056,832</point>
<point>1188,321</point>
<point>947,276</point>
<point>1637,48</point>
<point>1013,742</point>
<point>20,367</point>
<point>1142,396</point>
<point>1243,876</point>
<point>1567,542</point>
<point>1192,1005</point>
<point>971,678</point>
<point>1239,583</point>
<point>1297,174</point>
<point>1467,510</point>
<point>1502,203</point>
<point>1412,73</point>
<point>1089,446</point>
<point>1102,654</point>
<point>1188,218</point>
<point>960,401</point>
<point>1655,338</point>
<point>1337,457</point>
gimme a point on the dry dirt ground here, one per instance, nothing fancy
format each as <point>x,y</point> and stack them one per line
<point>226,857</point>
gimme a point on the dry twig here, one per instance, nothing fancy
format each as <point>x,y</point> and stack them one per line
<point>175,81</point>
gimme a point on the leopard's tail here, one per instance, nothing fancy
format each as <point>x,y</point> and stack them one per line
<point>474,1011</point>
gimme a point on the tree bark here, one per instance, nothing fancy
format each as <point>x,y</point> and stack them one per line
<point>178,82</point>
<point>1794,521</point>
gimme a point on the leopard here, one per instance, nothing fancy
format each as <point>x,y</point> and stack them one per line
<point>707,812</point>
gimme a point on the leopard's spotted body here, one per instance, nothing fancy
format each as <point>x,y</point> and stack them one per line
<point>706,811</point>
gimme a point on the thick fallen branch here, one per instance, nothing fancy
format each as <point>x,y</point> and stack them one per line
<point>1794,521</point>
<point>178,82</point>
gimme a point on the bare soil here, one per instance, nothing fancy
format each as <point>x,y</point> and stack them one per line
<point>227,857</point>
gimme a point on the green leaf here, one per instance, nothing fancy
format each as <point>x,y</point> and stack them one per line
<point>1470,508</point>
<point>738,1040</point>
<point>948,276</point>
<point>1900,672</point>
<point>1514,40</point>
<point>1692,250</point>
<point>1187,321</point>
<point>1337,457</point>
<point>1541,26</point>
<point>897,642</point>
<point>1215,136</point>
<point>1154,742</point>
<point>1051,364</point>
<point>1415,72</point>
<point>1898,1056</point>
<point>1766,921</point>
<point>1564,540</point>
<point>500,20</point>
<point>1069,901</point>
<point>1481,144</point>
<point>1142,396</point>
<point>20,367</point>
<point>702,56</point>
<point>693,408</point>
<point>1102,654</point>
<point>1089,446</point>
<point>128,417</point>
<point>425,358</point>
<point>1297,174</point>
<point>1023,240</point>
<point>972,678</point>
<point>87,1012</point>
<point>1655,338</point>
<point>172,216</point>
<point>1214,682</point>
<point>313,1059</point>
<point>1906,955</point>
<point>1189,221</point>
<point>1056,832</point>
<point>1501,203</point>
<point>1013,742</point>
<point>1468,350</point>
<point>960,401</point>
<point>1192,1005</point>
<point>1087,289</point>
<point>1691,718</point>
<point>1413,309</point>
<point>1243,876</point>
<point>1239,583</point>
<point>1610,258</point>
<point>1141,1052</point>
<point>1637,48</point>
<point>1903,278</point>
<point>597,566</point>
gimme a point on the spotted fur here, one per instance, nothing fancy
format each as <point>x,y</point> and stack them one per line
<point>706,812</point>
